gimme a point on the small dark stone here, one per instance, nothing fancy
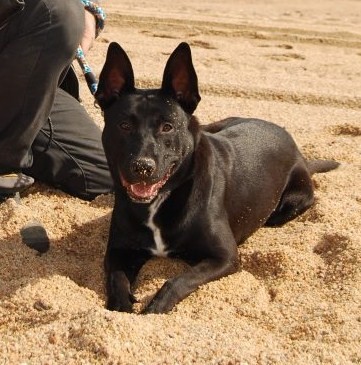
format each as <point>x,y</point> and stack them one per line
<point>34,236</point>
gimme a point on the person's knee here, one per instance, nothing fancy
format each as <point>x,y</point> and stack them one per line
<point>67,22</point>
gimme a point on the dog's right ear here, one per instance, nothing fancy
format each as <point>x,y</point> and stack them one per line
<point>117,76</point>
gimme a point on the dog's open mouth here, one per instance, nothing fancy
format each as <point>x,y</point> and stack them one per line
<point>144,193</point>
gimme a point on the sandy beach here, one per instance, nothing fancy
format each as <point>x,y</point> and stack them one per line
<point>297,297</point>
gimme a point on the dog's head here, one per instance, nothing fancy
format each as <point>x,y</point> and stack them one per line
<point>148,134</point>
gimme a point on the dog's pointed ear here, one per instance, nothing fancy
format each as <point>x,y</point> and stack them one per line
<point>180,78</point>
<point>117,76</point>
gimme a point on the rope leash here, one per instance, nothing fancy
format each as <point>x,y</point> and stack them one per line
<point>89,75</point>
<point>100,16</point>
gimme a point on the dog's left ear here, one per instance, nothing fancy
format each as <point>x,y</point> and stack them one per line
<point>117,76</point>
<point>180,79</point>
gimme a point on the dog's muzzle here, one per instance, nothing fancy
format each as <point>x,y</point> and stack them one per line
<point>143,192</point>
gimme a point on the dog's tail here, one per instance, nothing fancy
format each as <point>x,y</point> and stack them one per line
<point>320,166</point>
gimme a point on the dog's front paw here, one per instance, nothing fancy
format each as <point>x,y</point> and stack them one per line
<point>157,307</point>
<point>121,304</point>
<point>120,297</point>
<point>164,301</point>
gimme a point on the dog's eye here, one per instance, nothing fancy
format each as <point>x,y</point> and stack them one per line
<point>167,127</point>
<point>125,126</point>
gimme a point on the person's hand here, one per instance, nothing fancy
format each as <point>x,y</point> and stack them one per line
<point>89,32</point>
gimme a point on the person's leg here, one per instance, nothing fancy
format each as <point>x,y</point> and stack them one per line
<point>35,48</point>
<point>68,151</point>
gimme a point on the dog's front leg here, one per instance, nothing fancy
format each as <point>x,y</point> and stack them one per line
<point>176,289</point>
<point>122,267</point>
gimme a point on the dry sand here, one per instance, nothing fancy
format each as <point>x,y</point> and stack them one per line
<point>297,298</point>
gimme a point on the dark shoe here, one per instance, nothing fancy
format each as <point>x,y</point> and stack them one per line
<point>12,183</point>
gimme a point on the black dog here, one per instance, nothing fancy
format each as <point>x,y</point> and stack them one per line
<point>186,191</point>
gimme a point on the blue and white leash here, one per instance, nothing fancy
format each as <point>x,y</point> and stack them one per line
<point>89,75</point>
<point>100,16</point>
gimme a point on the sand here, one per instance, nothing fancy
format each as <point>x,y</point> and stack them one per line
<point>297,298</point>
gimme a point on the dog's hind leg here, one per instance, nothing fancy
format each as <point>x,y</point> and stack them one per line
<point>296,198</point>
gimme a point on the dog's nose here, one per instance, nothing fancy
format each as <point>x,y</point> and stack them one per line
<point>143,167</point>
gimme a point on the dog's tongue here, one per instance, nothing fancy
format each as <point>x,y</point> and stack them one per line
<point>142,190</point>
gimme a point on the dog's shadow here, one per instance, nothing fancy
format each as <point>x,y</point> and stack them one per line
<point>78,256</point>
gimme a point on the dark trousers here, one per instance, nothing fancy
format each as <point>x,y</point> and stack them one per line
<point>44,131</point>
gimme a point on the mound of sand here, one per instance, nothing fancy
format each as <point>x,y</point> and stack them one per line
<point>297,298</point>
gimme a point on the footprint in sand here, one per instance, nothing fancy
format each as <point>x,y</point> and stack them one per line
<point>339,257</point>
<point>283,46</point>
<point>346,130</point>
<point>286,57</point>
<point>331,246</point>
<point>163,35</point>
<point>265,265</point>
<point>201,44</point>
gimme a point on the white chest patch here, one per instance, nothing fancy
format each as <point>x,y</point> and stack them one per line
<point>160,248</point>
